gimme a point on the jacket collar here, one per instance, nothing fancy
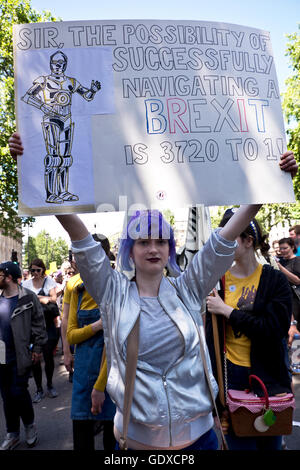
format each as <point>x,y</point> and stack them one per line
<point>22,291</point>
<point>177,311</point>
<point>171,304</point>
<point>129,314</point>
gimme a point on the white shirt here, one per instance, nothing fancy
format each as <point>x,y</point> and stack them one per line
<point>49,284</point>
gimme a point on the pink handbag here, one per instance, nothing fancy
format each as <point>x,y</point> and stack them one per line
<point>260,416</point>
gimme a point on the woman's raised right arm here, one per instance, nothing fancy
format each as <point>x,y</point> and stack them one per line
<point>74,226</point>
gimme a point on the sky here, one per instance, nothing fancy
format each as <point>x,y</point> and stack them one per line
<point>279,17</point>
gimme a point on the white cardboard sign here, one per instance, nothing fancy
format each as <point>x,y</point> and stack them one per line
<point>164,114</point>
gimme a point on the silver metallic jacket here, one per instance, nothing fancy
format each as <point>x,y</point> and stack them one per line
<point>181,395</point>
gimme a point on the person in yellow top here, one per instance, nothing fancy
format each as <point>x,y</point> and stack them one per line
<point>70,285</point>
<point>240,294</point>
<point>85,331</point>
<point>254,318</point>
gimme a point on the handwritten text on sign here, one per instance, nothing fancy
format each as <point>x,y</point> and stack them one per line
<point>194,116</point>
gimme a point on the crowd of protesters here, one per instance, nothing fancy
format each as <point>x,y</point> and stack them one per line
<point>64,288</point>
<point>52,293</point>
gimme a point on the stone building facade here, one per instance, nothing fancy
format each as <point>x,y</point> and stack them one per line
<point>7,245</point>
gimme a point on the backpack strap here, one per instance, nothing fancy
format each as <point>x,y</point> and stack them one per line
<point>41,291</point>
<point>80,295</point>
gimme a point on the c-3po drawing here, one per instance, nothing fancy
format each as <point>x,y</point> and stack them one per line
<point>52,94</point>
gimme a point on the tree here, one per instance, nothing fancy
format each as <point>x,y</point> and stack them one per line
<point>291,101</point>
<point>272,214</point>
<point>11,12</point>
<point>44,247</point>
<point>268,216</point>
<point>169,216</point>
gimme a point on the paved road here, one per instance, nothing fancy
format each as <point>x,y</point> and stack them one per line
<point>52,415</point>
<point>55,426</point>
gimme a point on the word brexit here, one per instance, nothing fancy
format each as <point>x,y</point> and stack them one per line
<point>175,114</point>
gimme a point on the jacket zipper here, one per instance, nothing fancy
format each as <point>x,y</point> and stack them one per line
<point>165,385</point>
<point>164,379</point>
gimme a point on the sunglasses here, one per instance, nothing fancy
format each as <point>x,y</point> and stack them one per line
<point>33,270</point>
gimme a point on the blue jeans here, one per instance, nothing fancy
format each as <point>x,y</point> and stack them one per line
<point>238,379</point>
<point>253,443</point>
<point>207,441</point>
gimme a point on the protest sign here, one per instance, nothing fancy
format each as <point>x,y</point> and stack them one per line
<point>164,114</point>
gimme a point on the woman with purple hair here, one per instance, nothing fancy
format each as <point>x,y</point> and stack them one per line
<point>171,406</point>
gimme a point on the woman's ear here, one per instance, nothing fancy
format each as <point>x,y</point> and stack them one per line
<point>249,241</point>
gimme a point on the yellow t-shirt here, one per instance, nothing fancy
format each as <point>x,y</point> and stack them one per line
<point>72,282</point>
<point>240,294</point>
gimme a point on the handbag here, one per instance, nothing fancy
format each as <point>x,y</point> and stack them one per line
<point>260,416</point>
<point>50,309</point>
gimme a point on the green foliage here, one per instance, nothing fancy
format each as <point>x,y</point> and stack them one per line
<point>44,247</point>
<point>169,216</point>
<point>272,214</point>
<point>291,101</point>
<point>216,215</point>
<point>268,216</point>
<point>11,12</point>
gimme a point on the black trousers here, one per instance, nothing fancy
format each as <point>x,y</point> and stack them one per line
<point>48,354</point>
<point>16,397</point>
<point>84,437</point>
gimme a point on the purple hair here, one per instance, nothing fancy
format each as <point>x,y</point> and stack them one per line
<point>145,224</point>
